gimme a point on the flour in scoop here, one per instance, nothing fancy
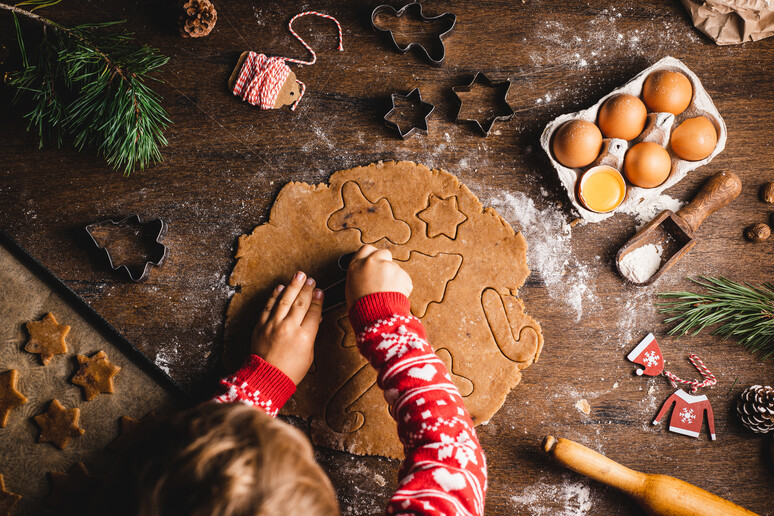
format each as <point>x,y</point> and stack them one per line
<point>639,265</point>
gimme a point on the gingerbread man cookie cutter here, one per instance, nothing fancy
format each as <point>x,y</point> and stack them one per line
<point>415,9</point>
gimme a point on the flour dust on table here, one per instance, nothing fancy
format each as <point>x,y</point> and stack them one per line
<point>467,265</point>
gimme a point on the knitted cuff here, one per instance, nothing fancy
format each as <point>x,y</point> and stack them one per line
<point>373,307</point>
<point>269,381</point>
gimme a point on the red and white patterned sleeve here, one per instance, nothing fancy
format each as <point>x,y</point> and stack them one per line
<point>259,384</point>
<point>444,472</point>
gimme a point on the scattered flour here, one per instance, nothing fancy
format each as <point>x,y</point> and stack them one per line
<point>649,208</point>
<point>642,263</point>
<point>165,358</point>
<point>573,498</point>
<point>549,251</point>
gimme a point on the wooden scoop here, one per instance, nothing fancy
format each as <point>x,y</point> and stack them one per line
<point>674,231</point>
<point>659,495</point>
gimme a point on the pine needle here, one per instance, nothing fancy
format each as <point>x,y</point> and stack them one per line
<point>740,311</point>
<point>89,85</point>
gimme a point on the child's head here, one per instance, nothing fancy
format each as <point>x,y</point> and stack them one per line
<point>226,460</point>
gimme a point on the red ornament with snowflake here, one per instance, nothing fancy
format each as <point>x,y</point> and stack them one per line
<point>648,354</point>
<point>688,414</point>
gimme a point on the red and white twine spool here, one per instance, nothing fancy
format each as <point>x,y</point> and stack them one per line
<point>261,78</point>
<point>709,378</point>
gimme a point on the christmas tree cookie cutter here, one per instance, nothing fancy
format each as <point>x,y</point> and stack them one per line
<point>506,112</point>
<point>153,232</point>
<point>422,108</point>
<point>436,54</point>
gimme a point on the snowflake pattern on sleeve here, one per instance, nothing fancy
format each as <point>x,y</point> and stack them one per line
<point>258,384</point>
<point>445,468</point>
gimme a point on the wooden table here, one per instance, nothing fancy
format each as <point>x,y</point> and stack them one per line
<point>226,161</point>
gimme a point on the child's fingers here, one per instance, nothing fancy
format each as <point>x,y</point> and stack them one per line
<point>314,315</point>
<point>270,304</point>
<point>301,304</point>
<point>382,254</point>
<point>285,302</point>
<point>364,251</point>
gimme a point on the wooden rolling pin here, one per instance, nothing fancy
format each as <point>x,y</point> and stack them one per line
<point>659,495</point>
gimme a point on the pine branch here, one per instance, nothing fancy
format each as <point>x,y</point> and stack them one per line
<point>90,86</point>
<point>741,311</point>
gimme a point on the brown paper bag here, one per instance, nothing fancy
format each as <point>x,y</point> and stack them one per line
<point>729,22</point>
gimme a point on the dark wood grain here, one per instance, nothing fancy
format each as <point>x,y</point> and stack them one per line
<point>226,161</point>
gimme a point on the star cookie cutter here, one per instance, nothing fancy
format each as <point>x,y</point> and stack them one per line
<point>481,78</point>
<point>415,8</point>
<point>415,99</point>
<point>156,253</point>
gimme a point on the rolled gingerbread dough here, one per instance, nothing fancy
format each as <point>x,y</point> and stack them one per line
<point>466,263</point>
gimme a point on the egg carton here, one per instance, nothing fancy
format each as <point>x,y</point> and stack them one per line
<point>658,129</point>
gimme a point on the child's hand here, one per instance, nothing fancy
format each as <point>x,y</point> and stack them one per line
<point>284,335</point>
<point>372,270</point>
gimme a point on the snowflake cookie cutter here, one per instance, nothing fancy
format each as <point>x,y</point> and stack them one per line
<point>503,86</point>
<point>414,98</point>
<point>415,9</point>
<point>156,253</point>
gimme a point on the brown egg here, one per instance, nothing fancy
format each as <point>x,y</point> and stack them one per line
<point>622,116</point>
<point>647,165</point>
<point>577,143</point>
<point>665,91</point>
<point>694,139</point>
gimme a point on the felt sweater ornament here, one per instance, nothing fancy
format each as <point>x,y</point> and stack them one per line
<point>268,82</point>
<point>688,414</point>
<point>648,354</point>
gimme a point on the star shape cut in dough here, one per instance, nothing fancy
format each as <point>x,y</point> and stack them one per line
<point>73,490</point>
<point>95,375</point>
<point>10,398</point>
<point>442,217</point>
<point>8,500</point>
<point>58,425</point>
<point>47,338</point>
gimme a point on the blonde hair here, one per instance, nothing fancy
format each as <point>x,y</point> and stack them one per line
<point>227,460</point>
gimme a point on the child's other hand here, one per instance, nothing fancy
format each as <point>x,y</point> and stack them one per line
<point>372,270</point>
<point>285,333</point>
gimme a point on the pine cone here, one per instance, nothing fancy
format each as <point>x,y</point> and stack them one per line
<point>197,19</point>
<point>756,408</point>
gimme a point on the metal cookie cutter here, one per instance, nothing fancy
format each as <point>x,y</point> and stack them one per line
<point>480,78</point>
<point>415,9</point>
<point>156,253</point>
<point>415,99</point>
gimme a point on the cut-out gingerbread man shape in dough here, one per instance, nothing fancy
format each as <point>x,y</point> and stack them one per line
<point>374,220</point>
<point>466,264</point>
<point>442,216</point>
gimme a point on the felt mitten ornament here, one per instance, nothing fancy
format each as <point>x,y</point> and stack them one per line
<point>268,82</point>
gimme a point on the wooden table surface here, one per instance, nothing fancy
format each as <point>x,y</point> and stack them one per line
<point>226,161</point>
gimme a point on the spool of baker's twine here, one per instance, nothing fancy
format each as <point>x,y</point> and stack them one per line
<point>261,77</point>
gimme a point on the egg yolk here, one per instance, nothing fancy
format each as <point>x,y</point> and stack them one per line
<point>603,190</point>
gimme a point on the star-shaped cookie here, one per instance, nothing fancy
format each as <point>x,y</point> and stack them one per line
<point>58,425</point>
<point>8,500</point>
<point>95,375</point>
<point>132,430</point>
<point>442,216</point>
<point>73,490</point>
<point>10,398</point>
<point>47,338</point>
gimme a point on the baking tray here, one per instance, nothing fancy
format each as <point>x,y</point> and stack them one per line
<point>658,129</point>
<point>29,291</point>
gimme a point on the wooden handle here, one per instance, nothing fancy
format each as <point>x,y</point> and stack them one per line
<point>594,465</point>
<point>659,495</point>
<point>719,190</point>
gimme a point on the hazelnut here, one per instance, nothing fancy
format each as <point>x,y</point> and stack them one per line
<point>767,192</point>
<point>757,232</point>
